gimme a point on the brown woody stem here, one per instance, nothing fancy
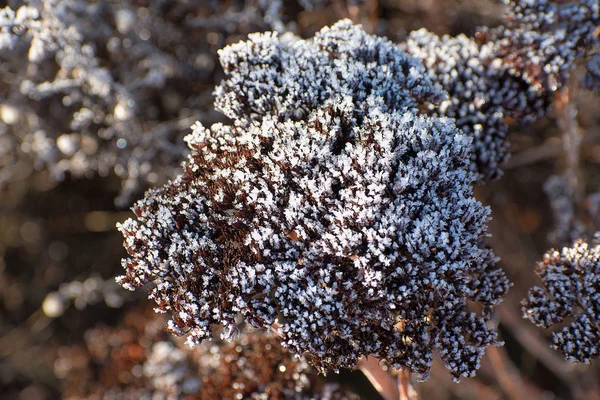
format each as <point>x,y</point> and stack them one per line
<point>566,115</point>
<point>381,380</point>
<point>407,391</point>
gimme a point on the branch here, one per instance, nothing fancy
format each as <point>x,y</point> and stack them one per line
<point>535,344</point>
<point>472,388</point>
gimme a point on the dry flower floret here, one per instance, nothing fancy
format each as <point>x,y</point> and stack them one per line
<point>571,290</point>
<point>542,39</point>
<point>349,229</point>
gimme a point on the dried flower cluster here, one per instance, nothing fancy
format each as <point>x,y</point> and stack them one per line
<point>509,73</point>
<point>329,211</point>
<point>137,360</point>
<point>286,78</point>
<point>543,38</point>
<point>481,94</point>
<point>110,87</point>
<point>571,289</point>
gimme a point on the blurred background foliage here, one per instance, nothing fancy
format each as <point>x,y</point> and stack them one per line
<point>60,250</point>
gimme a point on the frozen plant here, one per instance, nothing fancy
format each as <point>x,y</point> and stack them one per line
<point>542,39</point>
<point>285,77</point>
<point>509,73</point>
<point>329,211</point>
<point>571,290</point>
<point>481,94</point>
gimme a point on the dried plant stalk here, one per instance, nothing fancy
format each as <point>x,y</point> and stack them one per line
<point>509,378</point>
<point>566,115</point>
<point>381,380</point>
<point>407,391</point>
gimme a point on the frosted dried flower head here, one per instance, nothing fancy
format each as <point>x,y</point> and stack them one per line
<point>543,38</point>
<point>509,73</point>
<point>136,360</point>
<point>350,229</point>
<point>571,289</point>
<point>481,94</point>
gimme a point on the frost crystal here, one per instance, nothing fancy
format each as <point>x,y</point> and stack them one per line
<point>287,77</point>
<point>329,211</point>
<point>543,38</point>
<point>571,280</point>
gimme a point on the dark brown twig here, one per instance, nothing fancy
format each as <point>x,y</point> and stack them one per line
<point>407,391</point>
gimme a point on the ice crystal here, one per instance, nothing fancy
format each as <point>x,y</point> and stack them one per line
<point>543,38</point>
<point>481,94</point>
<point>571,289</point>
<point>270,75</point>
<point>329,211</point>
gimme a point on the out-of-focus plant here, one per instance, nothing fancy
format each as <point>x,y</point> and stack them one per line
<point>118,83</point>
<point>138,360</point>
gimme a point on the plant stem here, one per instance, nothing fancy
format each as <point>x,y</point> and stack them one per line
<point>509,378</point>
<point>566,115</point>
<point>381,380</point>
<point>407,391</point>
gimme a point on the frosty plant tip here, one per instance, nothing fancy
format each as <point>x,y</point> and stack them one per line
<point>571,290</point>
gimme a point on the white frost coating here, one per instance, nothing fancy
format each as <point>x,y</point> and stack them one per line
<point>266,75</point>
